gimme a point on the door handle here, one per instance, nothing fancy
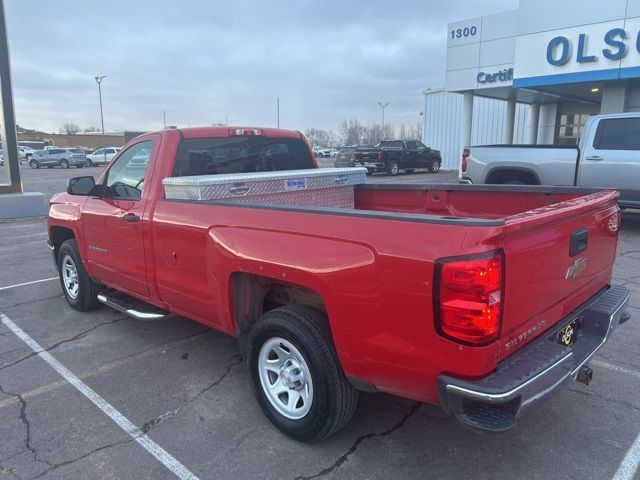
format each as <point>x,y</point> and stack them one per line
<point>594,158</point>
<point>130,217</point>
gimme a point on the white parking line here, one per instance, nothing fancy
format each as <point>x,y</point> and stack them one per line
<point>177,468</point>
<point>616,368</point>
<point>28,283</point>
<point>630,462</point>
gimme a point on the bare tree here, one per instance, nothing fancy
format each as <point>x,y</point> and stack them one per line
<point>321,138</point>
<point>89,129</point>
<point>351,132</point>
<point>70,129</point>
<point>414,132</point>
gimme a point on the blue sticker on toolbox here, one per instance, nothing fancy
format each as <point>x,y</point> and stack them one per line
<point>295,184</point>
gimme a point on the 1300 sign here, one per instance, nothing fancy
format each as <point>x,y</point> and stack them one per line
<point>464,32</point>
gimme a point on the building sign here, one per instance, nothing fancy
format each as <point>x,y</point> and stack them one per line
<point>560,51</point>
<point>585,53</point>
<point>505,75</point>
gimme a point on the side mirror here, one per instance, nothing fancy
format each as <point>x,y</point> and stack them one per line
<point>80,185</point>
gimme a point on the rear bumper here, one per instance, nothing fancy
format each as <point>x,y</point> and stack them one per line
<point>495,402</point>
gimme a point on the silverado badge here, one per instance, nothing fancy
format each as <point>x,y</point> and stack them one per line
<point>576,269</point>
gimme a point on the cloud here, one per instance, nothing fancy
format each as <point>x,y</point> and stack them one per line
<point>202,61</point>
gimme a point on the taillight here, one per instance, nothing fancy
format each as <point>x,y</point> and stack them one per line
<point>380,155</point>
<point>465,154</point>
<point>468,297</point>
<point>245,132</point>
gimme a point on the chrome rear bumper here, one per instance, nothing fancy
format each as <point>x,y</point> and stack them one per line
<point>495,402</point>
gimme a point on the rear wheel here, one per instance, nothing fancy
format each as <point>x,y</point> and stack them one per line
<point>89,163</point>
<point>64,163</point>
<point>295,373</point>
<point>34,164</point>
<point>434,167</point>
<point>79,289</point>
<point>392,167</point>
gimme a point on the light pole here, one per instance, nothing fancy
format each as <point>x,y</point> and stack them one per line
<point>99,81</point>
<point>382,106</point>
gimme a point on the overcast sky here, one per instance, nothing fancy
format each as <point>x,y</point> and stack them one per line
<point>200,61</point>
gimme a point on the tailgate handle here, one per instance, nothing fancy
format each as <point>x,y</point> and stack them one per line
<point>579,242</point>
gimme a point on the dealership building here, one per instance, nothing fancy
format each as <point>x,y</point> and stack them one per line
<point>534,75</point>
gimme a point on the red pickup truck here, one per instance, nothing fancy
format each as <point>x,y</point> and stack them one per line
<point>480,299</point>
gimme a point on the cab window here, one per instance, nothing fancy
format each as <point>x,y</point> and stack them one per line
<point>125,178</point>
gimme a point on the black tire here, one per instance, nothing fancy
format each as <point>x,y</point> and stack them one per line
<point>64,163</point>
<point>392,167</point>
<point>434,167</point>
<point>87,293</point>
<point>409,170</point>
<point>334,399</point>
<point>34,164</point>
<point>89,163</point>
<point>79,165</point>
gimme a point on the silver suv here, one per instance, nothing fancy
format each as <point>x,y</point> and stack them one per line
<point>59,157</point>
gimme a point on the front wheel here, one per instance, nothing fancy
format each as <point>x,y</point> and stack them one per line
<point>89,163</point>
<point>296,376</point>
<point>34,164</point>
<point>64,163</point>
<point>392,167</point>
<point>434,167</point>
<point>79,289</point>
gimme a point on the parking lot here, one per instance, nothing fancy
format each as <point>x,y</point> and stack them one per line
<point>186,388</point>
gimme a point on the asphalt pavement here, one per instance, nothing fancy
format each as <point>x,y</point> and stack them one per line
<point>185,388</point>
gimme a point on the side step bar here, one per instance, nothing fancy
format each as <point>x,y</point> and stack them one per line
<point>131,306</point>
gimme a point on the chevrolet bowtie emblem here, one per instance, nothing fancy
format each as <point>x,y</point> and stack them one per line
<point>575,270</point>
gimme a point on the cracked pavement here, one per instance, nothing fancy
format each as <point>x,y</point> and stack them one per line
<point>186,387</point>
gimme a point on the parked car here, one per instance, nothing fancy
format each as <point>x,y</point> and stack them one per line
<point>58,157</point>
<point>25,152</point>
<point>322,152</point>
<point>101,156</point>
<point>395,155</point>
<point>608,156</point>
<point>511,306</point>
<point>344,157</point>
<point>333,152</point>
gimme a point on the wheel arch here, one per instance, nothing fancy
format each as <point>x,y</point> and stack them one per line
<point>57,236</point>
<point>517,171</point>
<point>252,295</point>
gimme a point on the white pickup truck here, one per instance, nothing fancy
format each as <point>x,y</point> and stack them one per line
<point>608,156</point>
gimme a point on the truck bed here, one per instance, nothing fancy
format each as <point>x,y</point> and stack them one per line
<point>389,242</point>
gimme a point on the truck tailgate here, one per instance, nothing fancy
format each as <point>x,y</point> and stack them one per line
<point>557,257</point>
